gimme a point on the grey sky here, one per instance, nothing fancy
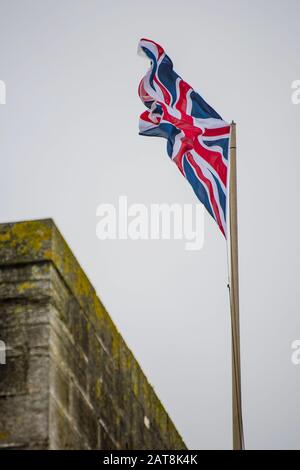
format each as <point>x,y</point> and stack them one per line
<point>69,142</point>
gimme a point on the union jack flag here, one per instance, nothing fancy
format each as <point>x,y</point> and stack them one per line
<point>197,137</point>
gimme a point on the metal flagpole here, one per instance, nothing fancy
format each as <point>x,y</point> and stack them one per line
<point>237,420</point>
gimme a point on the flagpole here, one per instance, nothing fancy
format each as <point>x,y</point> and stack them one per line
<point>237,419</point>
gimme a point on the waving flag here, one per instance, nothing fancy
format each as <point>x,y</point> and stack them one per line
<point>198,138</point>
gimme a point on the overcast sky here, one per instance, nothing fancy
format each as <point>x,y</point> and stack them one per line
<point>69,142</point>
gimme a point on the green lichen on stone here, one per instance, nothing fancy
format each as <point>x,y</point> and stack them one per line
<point>98,388</point>
<point>117,384</point>
<point>29,238</point>
<point>24,241</point>
<point>5,237</point>
<point>4,435</point>
<point>24,286</point>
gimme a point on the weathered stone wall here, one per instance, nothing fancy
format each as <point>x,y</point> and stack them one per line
<point>70,381</point>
